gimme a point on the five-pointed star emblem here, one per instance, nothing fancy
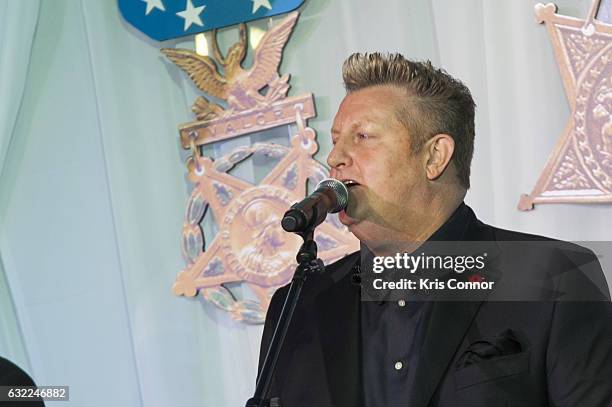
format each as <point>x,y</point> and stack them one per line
<point>152,4</point>
<point>191,15</point>
<point>260,3</point>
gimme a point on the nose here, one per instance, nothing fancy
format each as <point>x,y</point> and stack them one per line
<point>338,157</point>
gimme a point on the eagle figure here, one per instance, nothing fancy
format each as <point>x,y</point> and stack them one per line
<point>239,87</point>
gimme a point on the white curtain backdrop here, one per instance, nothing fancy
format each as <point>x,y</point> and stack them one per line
<point>18,21</point>
<point>93,187</point>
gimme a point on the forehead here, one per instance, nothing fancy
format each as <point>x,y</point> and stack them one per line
<point>371,104</point>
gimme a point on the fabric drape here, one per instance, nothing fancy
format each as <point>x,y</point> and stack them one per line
<point>18,20</point>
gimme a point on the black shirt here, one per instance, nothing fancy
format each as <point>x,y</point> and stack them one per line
<point>393,332</point>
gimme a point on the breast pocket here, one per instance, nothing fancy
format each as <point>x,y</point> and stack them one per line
<point>492,369</point>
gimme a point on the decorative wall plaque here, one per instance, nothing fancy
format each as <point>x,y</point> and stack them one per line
<point>162,20</point>
<point>249,247</point>
<point>580,166</point>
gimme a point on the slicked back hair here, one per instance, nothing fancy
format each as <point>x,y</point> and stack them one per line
<point>436,103</point>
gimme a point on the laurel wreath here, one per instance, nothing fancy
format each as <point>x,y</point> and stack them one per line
<point>581,141</point>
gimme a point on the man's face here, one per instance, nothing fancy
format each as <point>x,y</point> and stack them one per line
<point>372,148</point>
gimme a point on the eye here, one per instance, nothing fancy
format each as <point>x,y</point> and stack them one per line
<point>362,136</point>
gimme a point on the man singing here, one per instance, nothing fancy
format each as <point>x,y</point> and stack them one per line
<point>403,140</point>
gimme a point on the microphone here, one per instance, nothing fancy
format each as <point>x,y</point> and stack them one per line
<point>330,196</point>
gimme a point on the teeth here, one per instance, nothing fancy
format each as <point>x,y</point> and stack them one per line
<point>350,183</point>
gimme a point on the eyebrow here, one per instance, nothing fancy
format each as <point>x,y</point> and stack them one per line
<point>352,127</point>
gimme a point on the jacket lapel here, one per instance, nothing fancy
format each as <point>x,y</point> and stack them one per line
<point>338,313</point>
<point>449,321</point>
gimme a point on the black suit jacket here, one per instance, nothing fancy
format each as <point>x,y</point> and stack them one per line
<point>13,375</point>
<point>564,357</point>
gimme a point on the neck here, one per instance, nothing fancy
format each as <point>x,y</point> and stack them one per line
<point>417,228</point>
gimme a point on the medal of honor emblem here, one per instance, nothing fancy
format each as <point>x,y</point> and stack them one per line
<point>242,243</point>
<point>580,167</point>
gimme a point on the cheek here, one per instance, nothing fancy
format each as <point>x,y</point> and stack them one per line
<point>396,182</point>
<point>407,165</point>
<point>392,166</point>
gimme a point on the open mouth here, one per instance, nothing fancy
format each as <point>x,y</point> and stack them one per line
<point>349,183</point>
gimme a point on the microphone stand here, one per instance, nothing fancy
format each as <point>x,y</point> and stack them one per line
<point>308,263</point>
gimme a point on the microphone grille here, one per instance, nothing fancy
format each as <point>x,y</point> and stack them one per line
<point>340,191</point>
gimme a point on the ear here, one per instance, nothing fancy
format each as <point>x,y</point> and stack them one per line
<point>440,150</point>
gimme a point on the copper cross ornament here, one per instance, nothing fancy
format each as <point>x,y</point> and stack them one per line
<point>579,169</point>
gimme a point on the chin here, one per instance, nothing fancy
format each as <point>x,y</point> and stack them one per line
<point>359,230</point>
<point>345,219</point>
<point>373,235</point>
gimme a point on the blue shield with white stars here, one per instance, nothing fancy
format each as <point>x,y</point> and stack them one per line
<point>166,19</point>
